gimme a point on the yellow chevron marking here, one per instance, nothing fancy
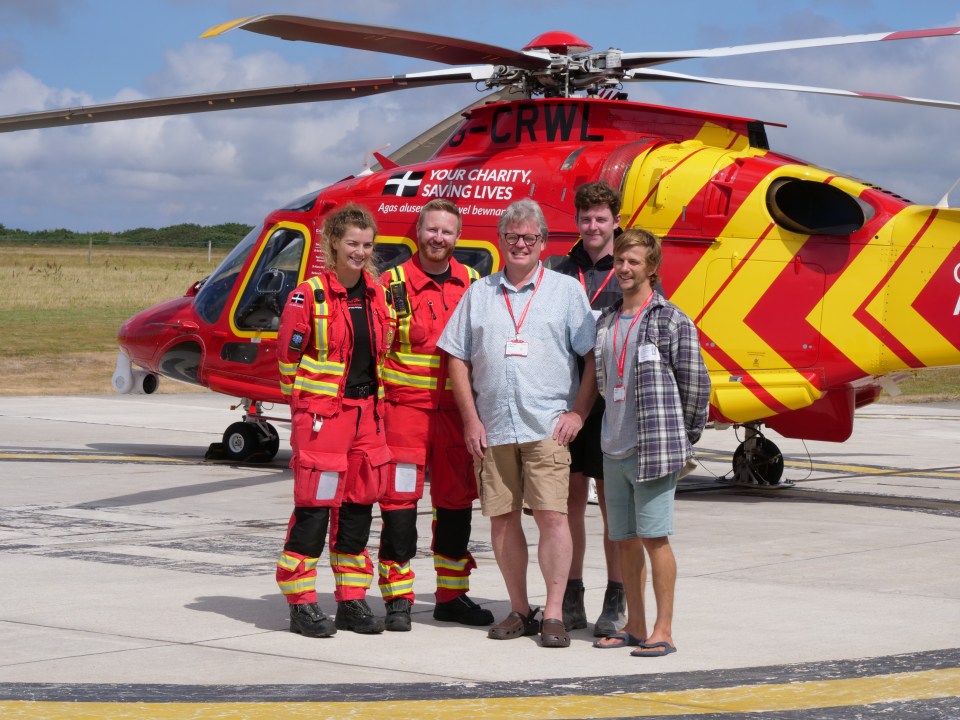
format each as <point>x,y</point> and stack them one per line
<point>676,171</point>
<point>733,289</point>
<point>690,294</point>
<point>762,699</point>
<point>841,301</point>
<point>722,137</point>
<point>894,302</point>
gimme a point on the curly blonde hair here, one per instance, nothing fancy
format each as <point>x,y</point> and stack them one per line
<point>335,227</point>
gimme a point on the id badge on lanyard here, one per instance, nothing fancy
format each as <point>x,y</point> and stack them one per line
<point>517,348</point>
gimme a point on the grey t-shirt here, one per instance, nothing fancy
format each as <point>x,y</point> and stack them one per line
<point>618,433</point>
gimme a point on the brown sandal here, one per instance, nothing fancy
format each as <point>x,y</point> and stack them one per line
<point>554,634</point>
<point>515,625</point>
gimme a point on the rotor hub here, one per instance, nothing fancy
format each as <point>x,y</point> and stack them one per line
<point>558,42</point>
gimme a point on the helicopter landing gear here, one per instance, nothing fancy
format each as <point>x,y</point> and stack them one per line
<point>757,461</point>
<point>252,440</point>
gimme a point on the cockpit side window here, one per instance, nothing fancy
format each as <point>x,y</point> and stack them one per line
<point>274,277</point>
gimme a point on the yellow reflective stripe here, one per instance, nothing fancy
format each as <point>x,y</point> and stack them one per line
<point>358,561</point>
<point>321,310</point>
<point>403,330</point>
<point>322,366</point>
<point>396,588</point>
<point>472,274</point>
<point>288,368</point>
<point>401,378</point>
<point>352,580</point>
<point>440,562</point>
<point>292,562</point>
<point>453,582</point>
<point>391,311</point>
<point>316,386</point>
<point>448,385</point>
<point>286,388</point>
<point>385,568</point>
<point>418,359</point>
<point>294,587</point>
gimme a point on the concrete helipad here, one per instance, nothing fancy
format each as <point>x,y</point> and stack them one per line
<point>137,581</point>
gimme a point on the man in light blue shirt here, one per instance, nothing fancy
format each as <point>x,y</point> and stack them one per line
<point>513,342</point>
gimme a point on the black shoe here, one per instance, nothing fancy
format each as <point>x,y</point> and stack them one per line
<point>462,610</point>
<point>357,616</point>
<point>306,619</point>
<point>613,617</point>
<point>574,614</point>
<point>398,615</point>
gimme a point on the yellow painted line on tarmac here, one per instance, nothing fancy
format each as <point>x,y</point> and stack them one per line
<point>799,696</point>
<point>852,469</point>
<point>871,470</point>
<point>92,458</point>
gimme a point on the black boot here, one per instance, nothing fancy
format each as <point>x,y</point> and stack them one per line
<point>306,619</point>
<point>574,614</point>
<point>356,615</point>
<point>462,610</point>
<point>398,615</point>
<point>613,616</point>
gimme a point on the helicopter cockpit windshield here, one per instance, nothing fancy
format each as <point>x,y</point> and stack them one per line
<point>213,295</point>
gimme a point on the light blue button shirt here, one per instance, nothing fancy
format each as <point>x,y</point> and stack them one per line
<point>520,399</point>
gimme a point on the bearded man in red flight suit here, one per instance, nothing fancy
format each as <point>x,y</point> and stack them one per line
<point>424,430</point>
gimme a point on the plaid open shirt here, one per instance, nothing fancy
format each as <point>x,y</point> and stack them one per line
<point>673,393</point>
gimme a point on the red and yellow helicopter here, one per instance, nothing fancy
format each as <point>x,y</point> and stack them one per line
<point>811,290</point>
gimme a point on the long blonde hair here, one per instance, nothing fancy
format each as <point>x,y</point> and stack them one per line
<point>335,227</point>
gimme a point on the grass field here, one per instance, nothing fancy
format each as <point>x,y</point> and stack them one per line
<point>62,307</point>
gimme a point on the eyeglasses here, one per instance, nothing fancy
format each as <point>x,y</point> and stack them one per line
<point>527,240</point>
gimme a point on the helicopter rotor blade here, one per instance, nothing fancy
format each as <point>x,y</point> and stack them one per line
<point>409,43</point>
<point>241,99</point>
<point>648,74</point>
<point>646,59</point>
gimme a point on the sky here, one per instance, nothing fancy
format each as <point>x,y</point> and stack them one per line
<point>237,166</point>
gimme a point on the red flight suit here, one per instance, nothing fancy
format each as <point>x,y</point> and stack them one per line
<point>424,431</point>
<point>339,452</point>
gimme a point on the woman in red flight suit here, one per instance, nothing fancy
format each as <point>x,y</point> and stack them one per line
<point>334,333</point>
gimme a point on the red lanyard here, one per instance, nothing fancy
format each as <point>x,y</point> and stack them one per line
<point>523,315</point>
<point>583,281</point>
<point>622,356</point>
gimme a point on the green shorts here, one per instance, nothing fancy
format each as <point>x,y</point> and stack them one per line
<point>637,509</point>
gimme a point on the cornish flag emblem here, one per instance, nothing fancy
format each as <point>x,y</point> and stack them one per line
<point>403,184</point>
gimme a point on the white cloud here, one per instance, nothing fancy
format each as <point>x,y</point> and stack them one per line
<point>226,166</point>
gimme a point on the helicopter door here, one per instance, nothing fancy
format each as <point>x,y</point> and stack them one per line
<point>274,276</point>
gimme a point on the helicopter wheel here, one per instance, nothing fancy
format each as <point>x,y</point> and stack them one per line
<point>246,442</point>
<point>757,461</point>
<point>269,442</point>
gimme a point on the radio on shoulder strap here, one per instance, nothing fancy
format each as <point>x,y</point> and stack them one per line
<point>398,291</point>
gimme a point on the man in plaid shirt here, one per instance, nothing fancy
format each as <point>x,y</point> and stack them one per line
<point>657,392</point>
